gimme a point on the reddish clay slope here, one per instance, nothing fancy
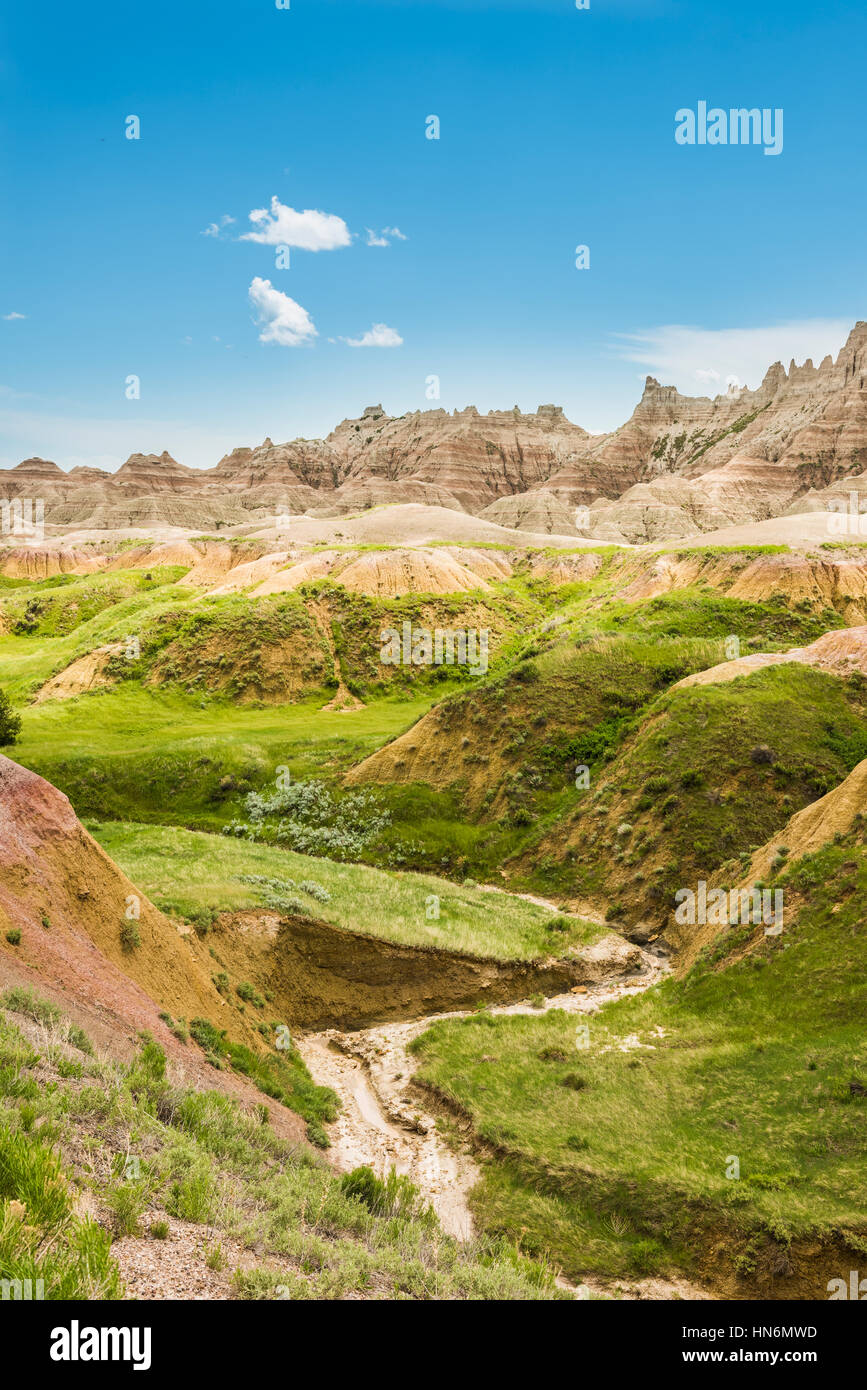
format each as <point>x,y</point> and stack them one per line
<point>52,871</point>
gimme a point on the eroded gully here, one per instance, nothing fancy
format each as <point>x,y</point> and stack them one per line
<point>384,1123</point>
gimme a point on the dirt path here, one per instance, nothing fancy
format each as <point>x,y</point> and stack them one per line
<point>382,1123</point>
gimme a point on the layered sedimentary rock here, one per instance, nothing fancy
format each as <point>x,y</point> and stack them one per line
<point>679,466</point>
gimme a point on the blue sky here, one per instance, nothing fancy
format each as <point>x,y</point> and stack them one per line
<point>557,129</point>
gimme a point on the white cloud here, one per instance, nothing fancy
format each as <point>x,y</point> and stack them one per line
<point>379,335</point>
<point>684,356</point>
<point>308,230</point>
<point>383,238</point>
<point>214,228</point>
<point>282,320</point>
<point>14,315</point>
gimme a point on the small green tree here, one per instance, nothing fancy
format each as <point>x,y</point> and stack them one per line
<point>10,722</point>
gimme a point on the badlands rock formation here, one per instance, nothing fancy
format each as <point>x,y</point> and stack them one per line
<point>679,466</point>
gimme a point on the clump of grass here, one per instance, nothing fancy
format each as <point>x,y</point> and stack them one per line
<point>250,995</point>
<point>126,1203</point>
<point>176,1026</point>
<point>392,1197</point>
<point>216,1257</point>
<point>22,1000</point>
<point>43,1244</point>
<point>193,1197</point>
<point>574,1081</point>
<point>130,936</point>
<point>282,1074</point>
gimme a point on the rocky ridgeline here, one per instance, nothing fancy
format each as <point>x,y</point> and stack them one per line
<point>679,466</point>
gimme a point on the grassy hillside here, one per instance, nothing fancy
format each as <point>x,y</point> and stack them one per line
<point>270,649</point>
<point>138,754</point>
<point>618,1156</point>
<point>711,772</point>
<point>193,875</point>
<point>156,1163</point>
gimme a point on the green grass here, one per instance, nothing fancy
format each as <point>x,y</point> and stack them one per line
<point>44,1245</point>
<point>709,772</point>
<point>140,754</point>
<point>42,612</point>
<point>748,1058</point>
<point>204,1159</point>
<point>701,613</point>
<point>189,874</point>
<point>281,1075</point>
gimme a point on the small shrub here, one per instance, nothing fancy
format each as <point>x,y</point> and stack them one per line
<point>691,778</point>
<point>646,1256</point>
<point>560,924</point>
<point>317,1135</point>
<point>130,936</point>
<point>573,1081</point>
<point>10,722</point>
<point>126,1202</point>
<point>192,1199</point>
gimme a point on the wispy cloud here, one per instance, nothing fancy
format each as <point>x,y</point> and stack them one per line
<point>379,335</point>
<point>385,237</point>
<point>14,315</point>
<point>281,319</point>
<point>685,356</point>
<point>215,228</point>
<point>308,230</point>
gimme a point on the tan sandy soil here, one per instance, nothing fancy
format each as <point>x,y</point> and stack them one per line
<point>805,531</point>
<point>148,555</point>
<point>410,523</point>
<point>252,574</point>
<point>85,673</point>
<point>385,1123</point>
<point>43,562</point>
<point>839,652</point>
<point>390,573</point>
<point>305,571</point>
<point>806,832</point>
<point>487,564</point>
